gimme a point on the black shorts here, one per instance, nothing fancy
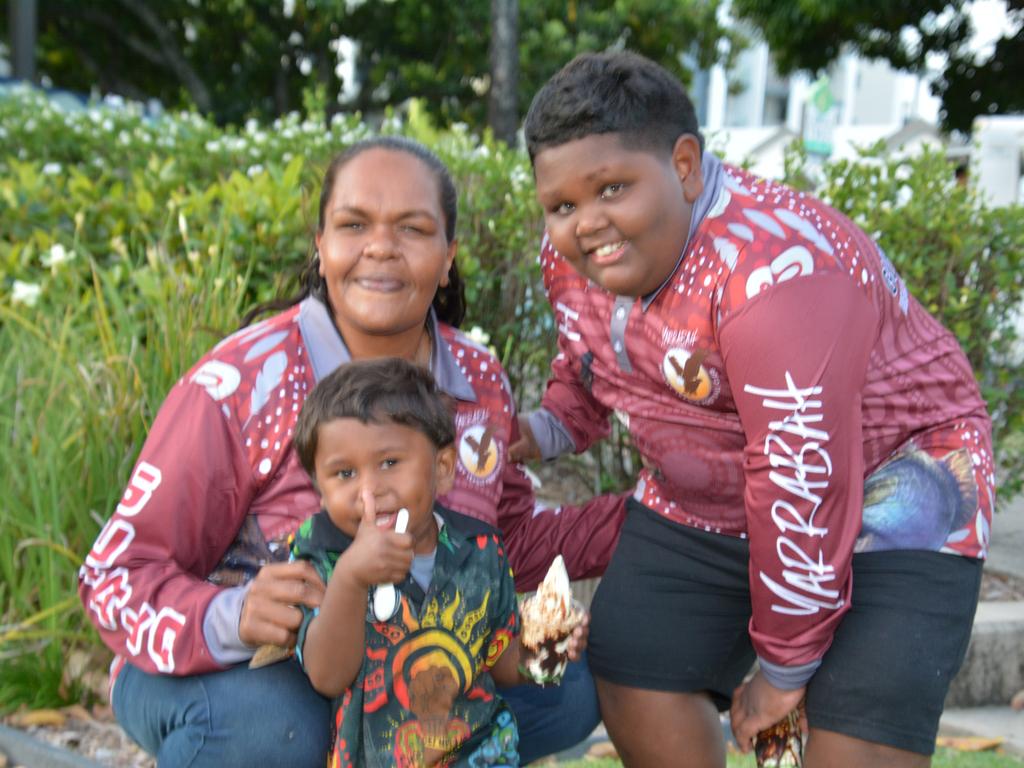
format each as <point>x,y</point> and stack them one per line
<point>672,610</point>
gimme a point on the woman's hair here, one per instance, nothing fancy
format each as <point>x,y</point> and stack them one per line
<point>613,92</point>
<point>450,300</point>
<point>380,391</point>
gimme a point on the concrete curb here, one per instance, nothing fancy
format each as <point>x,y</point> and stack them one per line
<point>993,669</point>
<point>21,749</point>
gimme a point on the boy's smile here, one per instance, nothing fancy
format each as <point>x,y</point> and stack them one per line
<point>398,465</point>
<point>620,216</point>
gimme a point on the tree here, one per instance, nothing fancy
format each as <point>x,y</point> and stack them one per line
<point>434,49</point>
<point>230,59</point>
<point>502,105</point>
<point>234,59</point>
<point>810,35</point>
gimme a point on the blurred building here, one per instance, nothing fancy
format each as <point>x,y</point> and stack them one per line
<point>751,114</point>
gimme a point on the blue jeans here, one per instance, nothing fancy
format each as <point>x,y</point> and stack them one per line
<point>272,716</point>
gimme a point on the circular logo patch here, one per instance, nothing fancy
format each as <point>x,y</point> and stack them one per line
<point>478,451</point>
<point>685,374</point>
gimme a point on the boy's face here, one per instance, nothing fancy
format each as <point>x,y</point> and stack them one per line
<point>619,216</point>
<point>399,465</point>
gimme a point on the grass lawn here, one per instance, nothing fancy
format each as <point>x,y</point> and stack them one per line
<point>944,758</point>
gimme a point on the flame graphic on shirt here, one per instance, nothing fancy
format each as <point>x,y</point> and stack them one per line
<point>478,451</point>
<point>685,374</point>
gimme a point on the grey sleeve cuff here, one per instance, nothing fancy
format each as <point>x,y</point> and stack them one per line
<point>788,678</point>
<point>551,435</point>
<point>220,626</point>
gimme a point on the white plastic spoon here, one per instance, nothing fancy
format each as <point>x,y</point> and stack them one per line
<point>385,596</point>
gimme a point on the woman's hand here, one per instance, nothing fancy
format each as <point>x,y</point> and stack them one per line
<point>525,448</point>
<point>757,705</point>
<point>578,639</point>
<point>270,615</point>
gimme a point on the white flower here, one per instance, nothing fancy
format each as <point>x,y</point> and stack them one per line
<point>519,177</point>
<point>254,170</point>
<point>52,169</point>
<point>25,293</point>
<point>117,246</point>
<point>479,335</point>
<point>56,256</point>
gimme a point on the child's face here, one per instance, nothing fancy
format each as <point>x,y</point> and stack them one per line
<point>619,216</point>
<point>399,465</point>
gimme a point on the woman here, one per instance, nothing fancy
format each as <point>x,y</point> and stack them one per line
<point>187,577</point>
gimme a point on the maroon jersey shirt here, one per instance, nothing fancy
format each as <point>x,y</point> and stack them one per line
<point>217,487</point>
<point>781,373</point>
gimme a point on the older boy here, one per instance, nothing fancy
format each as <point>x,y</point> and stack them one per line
<point>793,404</point>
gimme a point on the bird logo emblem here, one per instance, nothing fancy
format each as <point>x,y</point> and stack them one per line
<point>478,451</point>
<point>685,373</point>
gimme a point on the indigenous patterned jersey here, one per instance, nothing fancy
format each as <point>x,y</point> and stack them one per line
<point>424,695</point>
<point>217,488</point>
<point>782,385</point>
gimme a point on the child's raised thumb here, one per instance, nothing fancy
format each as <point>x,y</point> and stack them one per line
<point>369,507</point>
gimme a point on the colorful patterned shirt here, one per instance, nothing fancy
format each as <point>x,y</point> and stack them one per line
<point>424,695</point>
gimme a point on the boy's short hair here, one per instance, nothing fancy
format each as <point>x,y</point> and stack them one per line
<point>612,92</point>
<point>374,392</point>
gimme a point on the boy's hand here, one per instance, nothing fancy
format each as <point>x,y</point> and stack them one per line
<point>269,613</point>
<point>525,448</point>
<point>377,555</point>
<point>578,639</point>
<point>758,705</point>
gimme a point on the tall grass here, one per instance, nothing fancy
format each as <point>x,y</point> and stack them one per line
<point>79,386</point>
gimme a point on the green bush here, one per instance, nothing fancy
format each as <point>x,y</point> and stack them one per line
<point>110,185</point>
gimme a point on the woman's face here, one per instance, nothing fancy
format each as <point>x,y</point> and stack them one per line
<point>383,248</point>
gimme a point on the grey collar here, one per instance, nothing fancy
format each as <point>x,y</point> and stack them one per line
<point>327,350</point>
<point>713,174</point>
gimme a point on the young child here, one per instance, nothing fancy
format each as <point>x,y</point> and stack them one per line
<point>818,476</point>
<point>416,688</point>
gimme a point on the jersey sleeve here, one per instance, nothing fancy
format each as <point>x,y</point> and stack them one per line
<point>796,358</point>
<point>143,583</point>
<point>584,535</point>
<point>569,400</point>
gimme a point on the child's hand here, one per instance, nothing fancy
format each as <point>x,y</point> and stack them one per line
<point>377,555</point>
<point>578,639</point>
<point>525,448</point>
<point>758,704</point>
